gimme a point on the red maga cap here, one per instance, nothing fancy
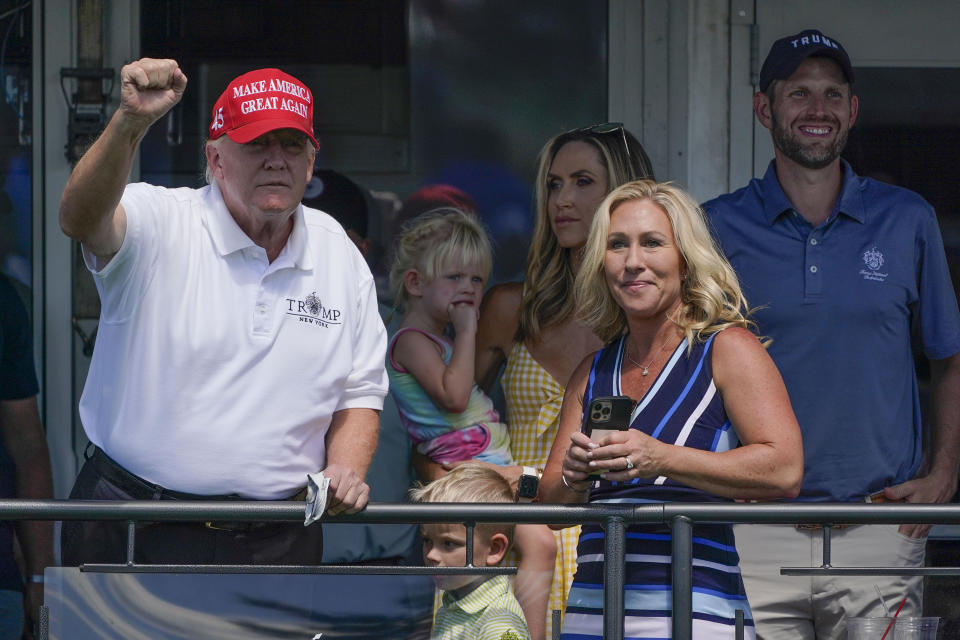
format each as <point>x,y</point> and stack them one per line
<point>259,102</point>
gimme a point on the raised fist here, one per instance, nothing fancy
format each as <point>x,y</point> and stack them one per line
<point>149,88</point>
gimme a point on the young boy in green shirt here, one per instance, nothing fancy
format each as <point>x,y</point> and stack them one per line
<point>473,607</point>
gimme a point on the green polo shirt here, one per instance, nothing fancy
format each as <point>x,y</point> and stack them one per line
<point>489,612</point>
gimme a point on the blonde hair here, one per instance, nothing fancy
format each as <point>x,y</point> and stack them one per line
<point>549,277</point>
<point>469,482</point>
<point>711,298</point>
<point>435,240</point>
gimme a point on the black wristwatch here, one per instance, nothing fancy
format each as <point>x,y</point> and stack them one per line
<point>528,484</point>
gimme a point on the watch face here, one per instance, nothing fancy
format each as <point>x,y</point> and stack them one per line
<point>527,486</point>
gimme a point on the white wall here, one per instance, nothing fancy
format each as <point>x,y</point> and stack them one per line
<point>708,136</point>
<point>669,83</point>
<point>50,139</point>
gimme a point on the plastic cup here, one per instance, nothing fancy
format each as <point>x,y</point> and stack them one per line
<point>915,628</point>
<point>868,628</point>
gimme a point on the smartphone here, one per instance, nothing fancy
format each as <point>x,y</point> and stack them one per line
<point>608,414</point>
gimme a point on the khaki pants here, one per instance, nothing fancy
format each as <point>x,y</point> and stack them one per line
<point>815,607</point>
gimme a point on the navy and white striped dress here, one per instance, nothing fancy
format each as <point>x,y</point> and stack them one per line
<point>683,408</point>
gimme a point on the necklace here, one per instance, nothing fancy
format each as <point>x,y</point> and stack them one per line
<point>645,368</point>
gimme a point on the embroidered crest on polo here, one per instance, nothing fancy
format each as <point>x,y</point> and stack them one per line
<point>873,259</point>
<point>313,304</point>
<point>311,310</point>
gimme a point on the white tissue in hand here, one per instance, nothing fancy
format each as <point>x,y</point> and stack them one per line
<point>317,485</point>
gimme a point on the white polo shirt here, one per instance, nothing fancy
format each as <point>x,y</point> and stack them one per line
<point>216,371</point>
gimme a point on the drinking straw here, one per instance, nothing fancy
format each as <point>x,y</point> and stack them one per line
<point>894,618</point>
<point>886,611</point>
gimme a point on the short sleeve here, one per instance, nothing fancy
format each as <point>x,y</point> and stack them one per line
<point>18,378</point>
<point>938,315</point>
<point>122,281</point>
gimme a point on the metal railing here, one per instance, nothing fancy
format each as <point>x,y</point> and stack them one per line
<point>615,518</point>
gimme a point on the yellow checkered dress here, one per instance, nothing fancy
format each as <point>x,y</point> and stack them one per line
<point>533,399</point>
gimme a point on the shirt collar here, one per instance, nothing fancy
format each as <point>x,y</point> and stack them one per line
<point>228,237</point>
<point>775,201</point>
<point>481,597</point>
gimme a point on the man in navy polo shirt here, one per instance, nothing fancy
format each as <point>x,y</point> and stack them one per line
<point>843,269</point>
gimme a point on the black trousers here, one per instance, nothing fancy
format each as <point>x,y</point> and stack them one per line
<point>105,542</point>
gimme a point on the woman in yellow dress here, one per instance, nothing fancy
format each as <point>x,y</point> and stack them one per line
<point>530,327</point>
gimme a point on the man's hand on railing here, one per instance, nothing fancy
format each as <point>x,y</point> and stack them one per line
<point>929,489</point>
<point>348,492</point>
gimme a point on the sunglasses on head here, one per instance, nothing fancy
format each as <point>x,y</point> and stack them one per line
<point>604,128</point>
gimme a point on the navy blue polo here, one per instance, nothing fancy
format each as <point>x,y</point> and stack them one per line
<point>840,302</point>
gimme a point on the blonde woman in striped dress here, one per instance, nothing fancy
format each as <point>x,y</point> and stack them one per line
<point>528,329</point>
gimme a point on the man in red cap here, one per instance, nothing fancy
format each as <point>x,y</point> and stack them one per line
<point>239,346</point>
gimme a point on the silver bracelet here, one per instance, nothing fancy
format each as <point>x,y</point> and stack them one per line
<point>563,479</point>
<point>35,578</point>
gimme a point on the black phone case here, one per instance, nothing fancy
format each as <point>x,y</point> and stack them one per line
<point>609,413</point>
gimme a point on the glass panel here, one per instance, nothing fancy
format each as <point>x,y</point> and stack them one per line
<point>16,256</point>
<point>407,93</point>
<point>107,606</point>
<point>351,54</point>
<point>491,82</point>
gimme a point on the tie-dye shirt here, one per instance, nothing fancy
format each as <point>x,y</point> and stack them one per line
<point>443,436</point>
